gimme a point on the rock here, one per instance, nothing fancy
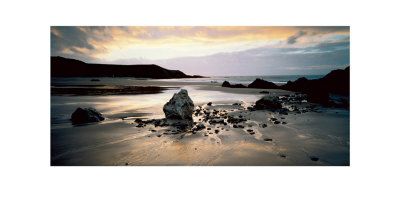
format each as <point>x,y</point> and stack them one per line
<point>234,120</point>
<point>216,131</point>
<point>226,84</point>
<point>264,92</point>
<point>277,122</point>
<point>320,96</point>
<point>250,108</point>
<point>283,111</point>
<point>264,125</point>
<point>181,125</point>
<point>209,103</point>
<point>268,139</point>
<point>199,127</point>
<point>180,106</point>
<point>314,158</point>
<point>262,84</point>
<point>238,86</point>
<point>271,103</point>
<point>85,115</point>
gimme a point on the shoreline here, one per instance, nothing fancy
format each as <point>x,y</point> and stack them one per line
<point>118,141</point>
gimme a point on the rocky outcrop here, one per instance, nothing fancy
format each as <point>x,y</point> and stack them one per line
<point>85,115</point>
<point>267,102</point>
<point>262,84</point>
<point>64,67</point>
<point>318,90</point>
<point>179,107</point>
<point>227,84</point>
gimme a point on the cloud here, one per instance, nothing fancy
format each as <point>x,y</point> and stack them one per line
<point>292,39</point>
<point>208,50</point>
<point>267,60</point>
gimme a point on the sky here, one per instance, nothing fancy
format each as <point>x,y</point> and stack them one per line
<point>210,50</point>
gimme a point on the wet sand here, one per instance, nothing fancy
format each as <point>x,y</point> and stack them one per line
<point>318,136</point>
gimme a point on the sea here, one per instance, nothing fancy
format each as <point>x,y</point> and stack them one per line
<point>277,79</point>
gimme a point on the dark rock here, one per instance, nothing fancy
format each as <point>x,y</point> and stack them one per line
<point>264,125</point>
<point>277,122</point>
<point>317,90</point>
<point>180,106</point>
<point>226,84</point>
<point>238,86</point>
<point>216,131</point>
<point>251,108</point>
<point>85,115</point>
<point>314,158</point>
<point>264,92</point>
<point>181,125</point>
<point>267,139</point>
<point>283,111</point>
<point>209,103</point>
<point>271,103</point>
<point>234,120</point>
<point>199,127</point>
<point>262,84</point>
<point>64,67</point>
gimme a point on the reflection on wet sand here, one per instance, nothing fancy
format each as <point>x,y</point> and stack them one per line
<point>118,140</point>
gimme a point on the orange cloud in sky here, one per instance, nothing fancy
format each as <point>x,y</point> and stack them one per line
<point>162,42</point>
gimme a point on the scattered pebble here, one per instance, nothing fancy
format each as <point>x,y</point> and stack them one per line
<point>267,139</point>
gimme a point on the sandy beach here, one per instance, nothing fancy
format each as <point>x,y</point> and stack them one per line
<point>310,135</point>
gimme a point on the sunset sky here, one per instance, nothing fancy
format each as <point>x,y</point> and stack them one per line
<point>210,50</point>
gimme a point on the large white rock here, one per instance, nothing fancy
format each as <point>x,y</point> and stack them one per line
<point>180,106</point>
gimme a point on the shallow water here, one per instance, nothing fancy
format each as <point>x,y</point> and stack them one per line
<point>146,105</point>
<point>117,140</point>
